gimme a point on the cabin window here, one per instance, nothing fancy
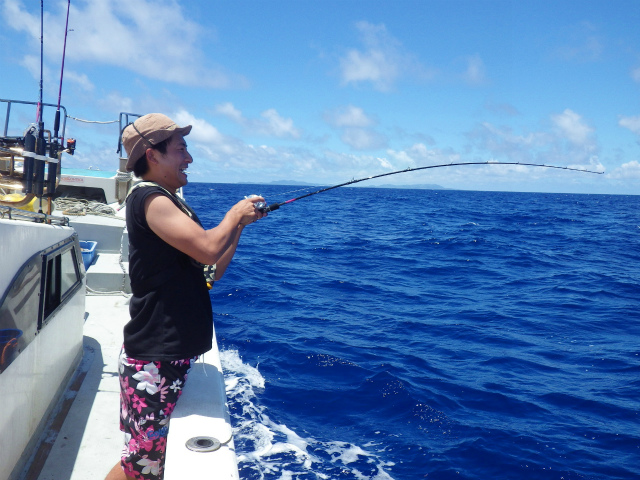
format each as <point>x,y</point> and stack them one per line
<point>40,287</point>
<point>69,275</point>
<point>61,278</point>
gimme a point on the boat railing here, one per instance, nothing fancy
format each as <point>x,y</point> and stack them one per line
<point>30,160</point>
<point>11,213</point>
<point>9,103</point>
<point>123,123</point>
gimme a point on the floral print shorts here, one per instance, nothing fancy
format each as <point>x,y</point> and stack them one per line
<point>148,394</point>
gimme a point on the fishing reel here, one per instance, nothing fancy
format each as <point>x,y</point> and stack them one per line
<point>260,206</point>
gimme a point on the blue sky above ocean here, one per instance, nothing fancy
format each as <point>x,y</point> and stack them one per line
<point>324,91</point>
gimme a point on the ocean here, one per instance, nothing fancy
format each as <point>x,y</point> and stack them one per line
<point>374,333</point>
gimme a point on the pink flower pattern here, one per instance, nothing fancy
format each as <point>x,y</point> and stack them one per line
<point>148,395</point>
<point>138,403</point>
<point>169,410</point>
<point>161,445</point>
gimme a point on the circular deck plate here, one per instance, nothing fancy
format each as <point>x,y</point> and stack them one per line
<point>203,444</point>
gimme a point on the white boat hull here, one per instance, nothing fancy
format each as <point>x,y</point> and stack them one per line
<point>32,382</point>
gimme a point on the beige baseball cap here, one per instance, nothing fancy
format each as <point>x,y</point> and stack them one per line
<point>147,131</point>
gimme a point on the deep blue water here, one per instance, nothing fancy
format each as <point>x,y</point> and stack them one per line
<point>407,334</point>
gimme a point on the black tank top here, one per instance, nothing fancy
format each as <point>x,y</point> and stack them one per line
<point>171,317</point>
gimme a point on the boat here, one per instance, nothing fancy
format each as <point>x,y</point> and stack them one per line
<point>64,292</point>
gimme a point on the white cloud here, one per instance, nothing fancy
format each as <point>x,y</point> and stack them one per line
<point>635,74</point>
<point>32,64</point>
<point>215,152</point>
<point>632,123</point>
<point>502,142</point>
<point>80,79</point>
<point>270,124</point>
<point>228,110</point>
<point>569,142</point>
<point>384,163</point>
<point>116,102</point>
<point>19,19</point>
<point>363,139</point>
<point>572,127</point>
<point>340,166</point>
<point>349,116</point>
<point>381,60</point>
<point>373,66</point>
<point>202,130</point>
<point>420,155</point>
<point>239,161</point>
<point>276,125</point>
<point>356,127</point>
<point>629,170</point>
<point>151,38</point>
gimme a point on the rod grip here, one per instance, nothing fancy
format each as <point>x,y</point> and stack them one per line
<point>52,173</point>
<point>56,123</point>
<point>272,207</point>
<point>38,166</point>
<point>29,148</point>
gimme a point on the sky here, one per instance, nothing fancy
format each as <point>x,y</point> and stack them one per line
<point>325,91</point>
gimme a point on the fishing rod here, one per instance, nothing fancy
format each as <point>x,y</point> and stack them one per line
<point>275,206</point>
<point>35,146</point>
<point>53,149</point>
<point>39,118</point>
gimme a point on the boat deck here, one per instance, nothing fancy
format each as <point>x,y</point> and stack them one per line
<point>83,440</point>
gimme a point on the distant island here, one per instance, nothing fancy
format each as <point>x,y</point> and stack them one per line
<point>423,186</point>
<point>291,182</point>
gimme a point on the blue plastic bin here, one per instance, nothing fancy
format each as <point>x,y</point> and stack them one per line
<point>88,252</point>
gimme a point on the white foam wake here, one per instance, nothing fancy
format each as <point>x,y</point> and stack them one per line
<point>270,450</point>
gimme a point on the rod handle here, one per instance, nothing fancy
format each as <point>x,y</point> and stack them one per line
<point>29,147</point>
<point>38,165</point>
<point>56,123</point>
<point>272,207</point>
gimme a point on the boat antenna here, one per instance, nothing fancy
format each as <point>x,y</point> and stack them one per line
<point>276,206</point>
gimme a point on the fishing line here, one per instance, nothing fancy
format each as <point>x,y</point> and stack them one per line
<point>276,206</point>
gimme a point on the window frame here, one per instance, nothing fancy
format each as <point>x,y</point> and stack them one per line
<point>52,298</point>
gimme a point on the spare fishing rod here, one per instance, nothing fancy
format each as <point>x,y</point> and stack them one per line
<point>275,206</point>
<point>54,147</point>
<point>34,141</point>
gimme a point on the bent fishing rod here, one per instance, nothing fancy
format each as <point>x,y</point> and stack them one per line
<point>262,206</point>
